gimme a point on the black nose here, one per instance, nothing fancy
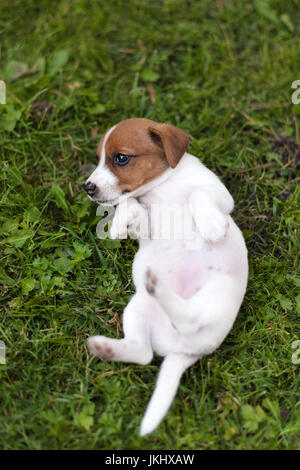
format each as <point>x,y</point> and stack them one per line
<point>90,188</point>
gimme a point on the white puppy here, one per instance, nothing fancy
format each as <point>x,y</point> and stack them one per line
<point>191,269</point>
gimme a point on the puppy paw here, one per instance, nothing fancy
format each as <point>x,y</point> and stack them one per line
<point>99,346</point>
<point>118,232</point>
<point>150,281</point>
<point>214,228</point>
<point>130,220</point>
<point>123,232</point>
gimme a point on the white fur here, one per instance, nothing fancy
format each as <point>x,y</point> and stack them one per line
<point>189,288</point>
<point>103,178</point>
<point>103,154</point>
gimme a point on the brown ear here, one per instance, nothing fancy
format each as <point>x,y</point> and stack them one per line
<point>173,140</point>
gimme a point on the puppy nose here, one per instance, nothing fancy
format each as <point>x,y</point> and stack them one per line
<point>90,188</point>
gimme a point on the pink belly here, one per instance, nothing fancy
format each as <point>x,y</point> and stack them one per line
<point>196,267</point>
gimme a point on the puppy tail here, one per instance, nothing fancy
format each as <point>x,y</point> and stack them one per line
<point>167,383</point>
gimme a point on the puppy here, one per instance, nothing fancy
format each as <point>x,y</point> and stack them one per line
<point>190,271</point>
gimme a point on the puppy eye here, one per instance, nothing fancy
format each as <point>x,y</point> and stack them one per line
<point>120,159</point>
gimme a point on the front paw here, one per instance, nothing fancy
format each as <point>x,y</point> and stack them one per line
<point>121,229</point>
<point>131,220</point>
<point>118,230</point>
<point>214,227</point>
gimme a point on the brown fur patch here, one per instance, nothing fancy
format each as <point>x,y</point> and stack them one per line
<point>148,149</point>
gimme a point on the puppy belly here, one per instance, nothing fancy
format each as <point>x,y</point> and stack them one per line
<point>186,271</point>
<point>195,269</point>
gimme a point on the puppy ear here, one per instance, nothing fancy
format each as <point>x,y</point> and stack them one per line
<point>172,140</point>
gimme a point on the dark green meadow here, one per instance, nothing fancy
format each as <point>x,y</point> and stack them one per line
<point>221,70</point>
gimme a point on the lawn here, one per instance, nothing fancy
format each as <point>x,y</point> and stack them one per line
<point>223,71</point>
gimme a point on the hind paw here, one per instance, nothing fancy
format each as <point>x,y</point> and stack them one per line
<point>99,346</point>
<point>150,281</point>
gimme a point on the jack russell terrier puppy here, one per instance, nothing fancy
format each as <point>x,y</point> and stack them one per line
<point>190,271</point>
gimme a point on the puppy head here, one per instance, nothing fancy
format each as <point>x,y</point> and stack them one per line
<point>131,154</point>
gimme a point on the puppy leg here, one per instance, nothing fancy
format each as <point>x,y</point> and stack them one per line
<point>215,304</point>
<point>211,222</point>
<point>131,218</point>
<point>136,345</point>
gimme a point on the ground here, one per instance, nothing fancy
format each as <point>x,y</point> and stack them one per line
<point>222,71</point>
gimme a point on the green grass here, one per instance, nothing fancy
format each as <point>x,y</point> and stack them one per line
<point>223,72</point>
